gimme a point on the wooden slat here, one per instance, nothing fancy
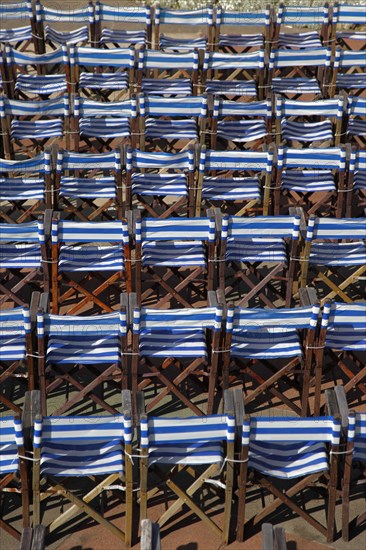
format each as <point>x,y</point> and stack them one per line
<point>332,405</point>
<point>342,405</point>
<point>307,296</point>
<point>32,408</point>
<point>267,537</point>
<point>34,305</point>
<point>26,540</point>
<point>280,538</point>
<point>150,535</point>
<point>39,535</point>
<point>44,301</point>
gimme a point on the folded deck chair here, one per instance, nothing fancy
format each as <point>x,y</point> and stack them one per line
<point>127,25</point>
<point>24,37</point>
<point>260,19</point>
<point>348,72</point>
<point>304,17</point>
<point>356,189</point>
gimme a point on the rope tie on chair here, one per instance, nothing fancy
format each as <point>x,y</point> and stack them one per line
<point>36,355</point>
<point>349,452</point>
<point>118,488</point>
<point>315,347</point>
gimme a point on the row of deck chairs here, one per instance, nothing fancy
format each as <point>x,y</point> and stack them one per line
<point>177,261</point>
<point>224,456</point>
<point>283,355</point>
<point>250,74</point>
<point>95,187</point>
<point>106,25</point>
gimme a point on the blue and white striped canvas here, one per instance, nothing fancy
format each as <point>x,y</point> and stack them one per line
<point>345,325</point>
<point>357,434</point>
<point>14,325</point>
<point>11,438</point>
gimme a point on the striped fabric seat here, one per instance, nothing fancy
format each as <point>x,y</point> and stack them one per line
<point>355,81</point>
<point>89,257</point>
<point>15,324</point>
<point>38,129</point>
<point>106,128</point>
<point>159,184</point>
<point>345,326</point>
<point>268,333</point>
<point>81,445</point>
<point>104,81</point>
<point>171,86</point>
<point>357,434</point>
<point>231,189</point>
<point>356,128</point>
<point>66,37</point>
<point>169,129</point>
<point>41,85</point>
<point>352,66</point>
<point>84,340</point>
<point>360,180</point>
<point>308,181</point>
<point>299,40</point>
<point>295,86</point>
<point>307,131</point>
<point>20,245</point>
<point>188,253</point>
<point>338,253</point>
<point>89,188</point>
<point>241,130</point>
<point>289,447</point>
<point>357,169</point>
<point>123,37</point>
<point>232,87</point>
<point>18,34</point>
<point>186,441</point>
<point>11,438</point>
<point>25,186</point>
<point>252,249</point>
<point>182,44</point>
<point>243,40</point>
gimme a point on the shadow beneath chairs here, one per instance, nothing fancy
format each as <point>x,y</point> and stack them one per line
<point>189,546</point>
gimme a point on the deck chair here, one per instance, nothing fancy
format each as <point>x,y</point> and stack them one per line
<point>160,184</point>
<point>304,123</point>
<point>52,73</point>
<point>241,124</point>
<point>175,351</point>
<point>16,353</point>
<point>334,257</point>
<point>103,126</point>
<point>172,123</point>
<point>269,352</point>
<point>300,453</point>
<point>348,72</point>
<point>80,249</point>
<point>167,73</point>
<point>233,74</point>
<point>354,424</point>
<point>98,73</point>
<point>199,20</point>
<point>130,17</point>
<point>342,344</point>
<point>257,259</point>
<point>348,14</point>
<point>31,126</point>
<point>233,180</point>
<point>52,36</point>
<point>298,72</point>
<point>355,130</point>
<point>356,195</point>
<point>260,19</point>
<point>176,255</point>
<point>89,186</point>
<point>94,450</point>
<point>313,178</point>
<point>23,38</point>
<point>80,358</point>
<point>301,17</point>
<point>199,450</point>
<point>13,474</point>
<point>25,188</point>
<point>23,261</point>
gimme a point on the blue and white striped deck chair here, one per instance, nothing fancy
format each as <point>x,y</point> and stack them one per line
<point>102,126</point>
<point>356,456</point>
<point>356,121</point>
<point>335,253</point>
<point>313,178</point>
<point>91,345</point>
<point>82,248</point>
<point>172,123</point>
<point>94,449</point>
<point>176,255</point>
<point>198,20</point>
<point>89,186</point>
<point>197,450</point>
<point>162,184</point>
<point>173,349</point>
<point>298,72</point>
<point>308,122</point>
<point>348,72</point>
<point>128,25</point>
<point>299,452</point>
<point>348,14</point>
<point>342,348</point>
<point>21,37</point>
<point>13,476</point>
<point>269,351</point>
<point>303,17</point>
<point>97,71</point>
<point>241,123</point>
<point>22,261</point>
<point>49,16</point>
<point>356,195</point>
<point>16,357</point>
<point>234,180</point>
<point>260,19</point>
<point>167,73</point>
<point>25,188</point>
<point>31,125</point>
<point>52,72</point>
<point>257,258</point>
<point>234,74</point>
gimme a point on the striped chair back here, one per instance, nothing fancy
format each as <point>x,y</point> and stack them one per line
<point>89,108</point>
<point>175,229</point>
<point>356,106</point>
<point>24,179</point>
<point>18,12</point>
<point>344,325</point>
<point>275,227</point>
<point>136,159</point>
<point>23,59</point>
<point>348,14</point>
<point>49,107</point>
<point>30,232</point>
<point>82,445</point>
<point>14,326</point>
<point>322,107</point>
<point>302,15</point>
<point>177,319</point>
<point>89,232</point>
<point>330,158</point>
<point>173,107</point>
<point>69,160</point>
<point>335,229</point>
<point>225,107</point>
<point>255,18</point>
<point>154,59</point>
<point>166,16</point>
<point>244,61</point>
<point>122,14</point>
<point>11,444</point>
<point>98,57</point>
<point>345,59</point>
<point>357,436</point>
<point>50,14</point>
<point>316,57</point>
<point>261,318</point>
